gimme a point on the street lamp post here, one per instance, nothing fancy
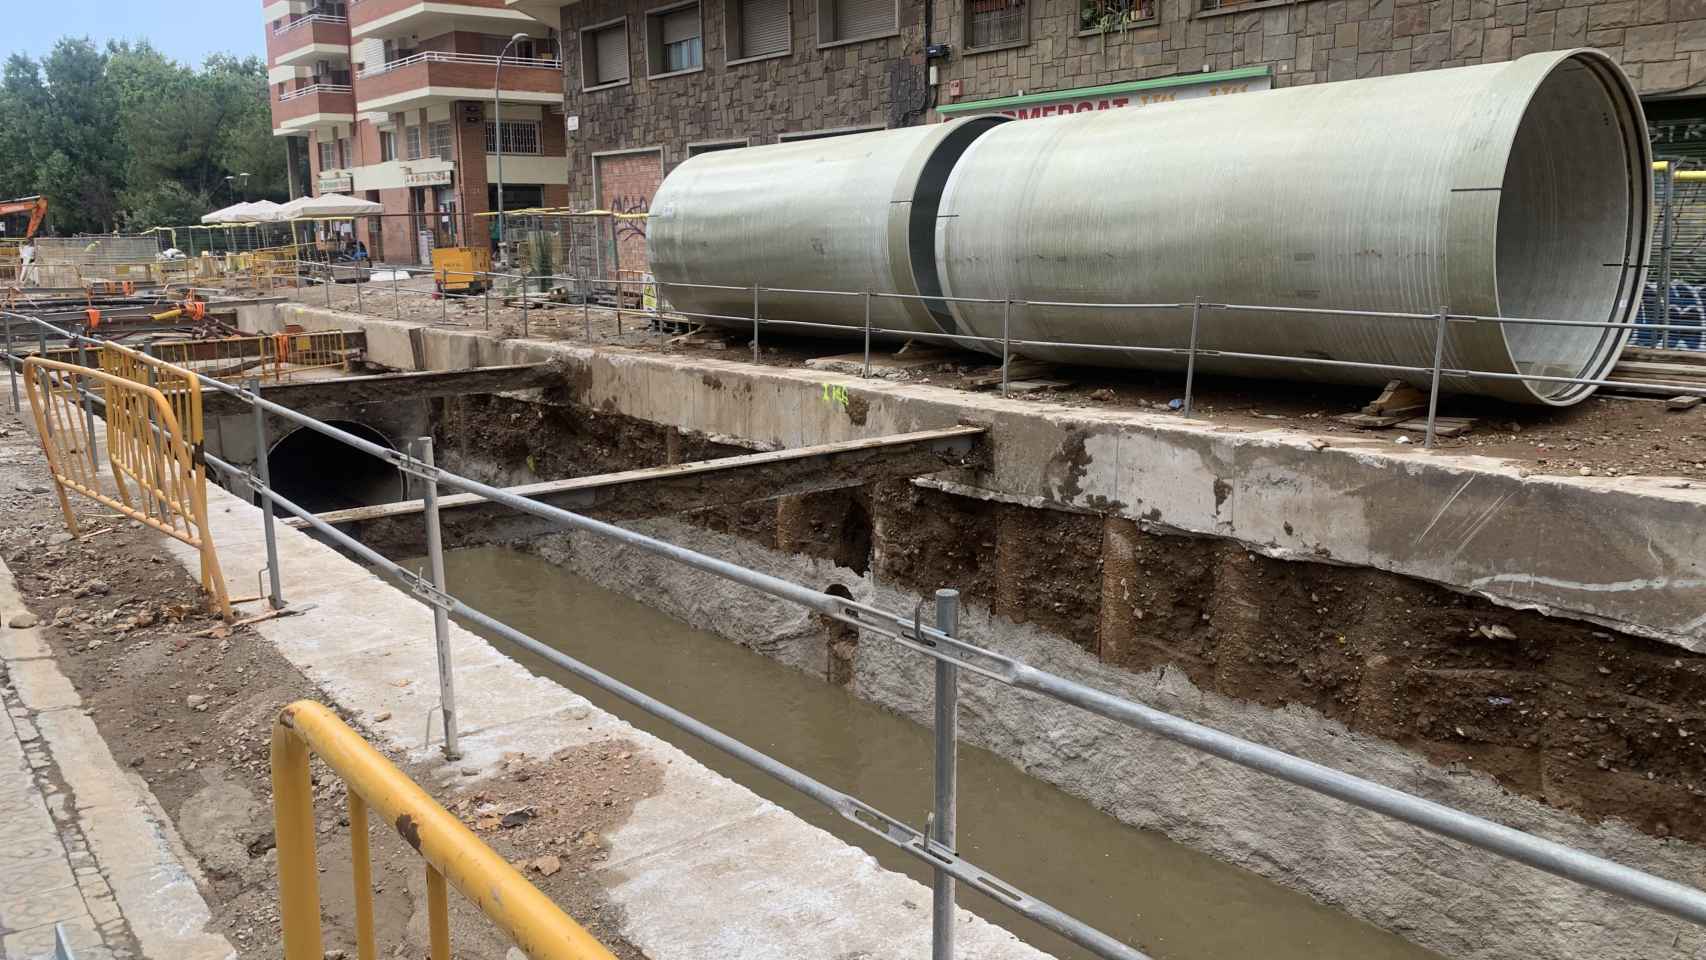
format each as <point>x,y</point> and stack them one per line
<point>498,128</point>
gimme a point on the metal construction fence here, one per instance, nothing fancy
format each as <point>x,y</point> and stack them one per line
<point>156,477</point>
<point>454,855</point>
<point>1675,291</point>
<point>1195,315</point>
<point>910,632</point>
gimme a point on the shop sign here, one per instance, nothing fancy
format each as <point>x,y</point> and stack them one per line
<point>1139,93</point>
<point>430,178</point>
<point>336,182</point>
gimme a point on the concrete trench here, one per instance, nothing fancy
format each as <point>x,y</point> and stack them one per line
<point>1101,616</point>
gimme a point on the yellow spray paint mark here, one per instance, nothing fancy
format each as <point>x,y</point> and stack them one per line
<point>835,394</point>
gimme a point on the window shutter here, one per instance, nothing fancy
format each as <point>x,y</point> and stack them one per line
<point>612,54</point>
<point>680,25</point>
<point>863,18</point>
<point>763,27</point>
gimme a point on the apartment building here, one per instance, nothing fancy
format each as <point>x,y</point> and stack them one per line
<point>396,101</point>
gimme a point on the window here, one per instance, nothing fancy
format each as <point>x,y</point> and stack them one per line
<point>1102,16</point>
<point>328,155</point>
<point>522,50</point>
<point>346,158</point>
<point>441,147</point>
<point>412,142</point>
<point>604,54</point>
<point>756,28</point>
<point>844,21</point>
<point>673,41</point>
<point>520,136</point>
<point>387,146</point>
<point>995,23</point>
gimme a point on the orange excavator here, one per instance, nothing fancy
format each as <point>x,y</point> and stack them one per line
<point>12,212</point>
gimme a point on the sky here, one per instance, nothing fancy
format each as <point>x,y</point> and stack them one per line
<point>186,30</point>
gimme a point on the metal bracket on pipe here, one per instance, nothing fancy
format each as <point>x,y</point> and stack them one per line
<point>421,586</point>
<point>416,468</point>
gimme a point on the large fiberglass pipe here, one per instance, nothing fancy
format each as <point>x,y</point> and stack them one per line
<point>850,213</point>
<point>1517,189</point>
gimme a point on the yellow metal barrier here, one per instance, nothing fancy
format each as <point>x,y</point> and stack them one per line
<point>146,446</point>
<point>452,852</point>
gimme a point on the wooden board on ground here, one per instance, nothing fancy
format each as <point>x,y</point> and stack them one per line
<point>883,364</point>
<point>1443,426</point>
<point>1367,421</point>
<point>1018,369</point>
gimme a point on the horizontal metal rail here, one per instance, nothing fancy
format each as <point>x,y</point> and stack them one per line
<point>315,88</point>
<point>474,59</point>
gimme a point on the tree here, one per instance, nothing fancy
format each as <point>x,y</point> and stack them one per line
<point>129,137</point>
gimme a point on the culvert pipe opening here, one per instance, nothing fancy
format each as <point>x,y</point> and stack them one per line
<point>1572,235</point>
<point>321,474</point>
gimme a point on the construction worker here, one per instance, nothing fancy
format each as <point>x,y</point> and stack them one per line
<point>29,274</point>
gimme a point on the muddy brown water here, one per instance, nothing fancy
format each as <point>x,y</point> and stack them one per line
<point>1160,896</point>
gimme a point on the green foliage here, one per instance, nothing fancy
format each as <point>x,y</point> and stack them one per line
<point>127,138</point>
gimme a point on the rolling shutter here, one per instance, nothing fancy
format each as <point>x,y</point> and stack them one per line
<point>863,18</point>
<point>681,25</point>
<point>763,27</point>
<point>612,47</point>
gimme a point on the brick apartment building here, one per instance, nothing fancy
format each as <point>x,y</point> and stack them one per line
<point>391,101</point>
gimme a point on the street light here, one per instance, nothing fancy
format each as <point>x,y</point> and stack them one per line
<point>498,128</point>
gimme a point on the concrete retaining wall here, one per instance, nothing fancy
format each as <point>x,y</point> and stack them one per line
<point>1624,552</point>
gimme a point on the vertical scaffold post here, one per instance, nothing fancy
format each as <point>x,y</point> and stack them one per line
<point>396,294</point>
<point>1442,319</point>
<point>867,372</point>
<point>755,321</point>
<point>328,285</point>
<point>275,592</point>
<point>524,304</point>
<point>11,366</point>
<point>1006,336</point>
<point>440,616</point>
<point>1191,356</point>
<point>361,281</point>
<point>943,818</point>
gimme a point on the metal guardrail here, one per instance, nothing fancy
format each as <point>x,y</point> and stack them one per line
<point>284,28</point>
<point>454,855</point>
<point>1199,312</point>
<point>315,88</point>
<point>444,56</point>
<point>952,655</point>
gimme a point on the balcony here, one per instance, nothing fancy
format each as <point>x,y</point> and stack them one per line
<point>431,18</point>
<point>295,112</point>
<point>302,42</point>
<point>548,12</point>
<point>414,82</point>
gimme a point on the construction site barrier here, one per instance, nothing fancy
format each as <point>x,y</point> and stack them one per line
<point>148,448</point>
<point>452,852</point>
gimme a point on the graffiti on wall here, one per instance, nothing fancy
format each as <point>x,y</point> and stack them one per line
<point>636,227</point>
<point>1687,308</point>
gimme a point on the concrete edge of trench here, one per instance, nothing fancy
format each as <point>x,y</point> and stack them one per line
<point>1622,552</point>
<point>702,868</point>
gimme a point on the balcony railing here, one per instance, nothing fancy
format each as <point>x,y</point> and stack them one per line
<point>284,28</point>
<point>313,89</point>
<point>472,59</point>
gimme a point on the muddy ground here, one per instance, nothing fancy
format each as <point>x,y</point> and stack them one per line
<point>188,703</point>
<point>1603,436</point>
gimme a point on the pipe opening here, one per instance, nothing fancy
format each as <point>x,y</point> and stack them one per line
<point>320,474</point>
<point>1570,226</point>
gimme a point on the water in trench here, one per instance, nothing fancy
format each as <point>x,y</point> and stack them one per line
<point>1162,897</point>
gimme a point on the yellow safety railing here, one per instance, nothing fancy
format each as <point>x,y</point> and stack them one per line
<point>155,472</point>
<point>452,852</point>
